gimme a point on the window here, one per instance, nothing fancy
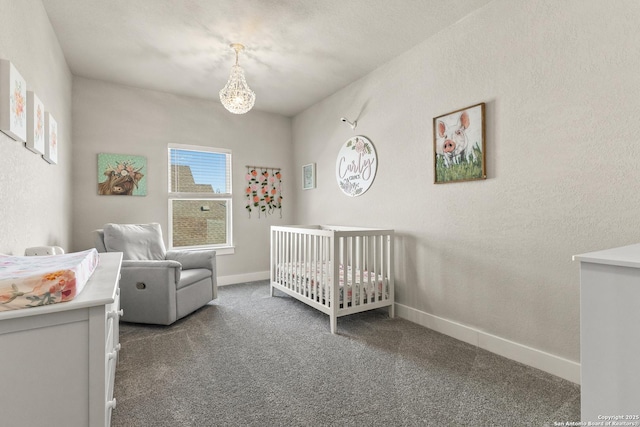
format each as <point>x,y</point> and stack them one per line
<point>199,197</point>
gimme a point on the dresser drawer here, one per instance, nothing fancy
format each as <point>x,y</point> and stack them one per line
<point>112,349</point>
<point>112,322</point>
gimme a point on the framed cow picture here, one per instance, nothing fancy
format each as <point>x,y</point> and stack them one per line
<point>459,145</point>
<point>122,175</point>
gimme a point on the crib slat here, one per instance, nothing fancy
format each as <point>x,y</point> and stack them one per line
<point>363,284</point>
<point>290,265</point>
<point>391,280</point>
<point>279,251</point>
<point>320,267</point>
<point>304,277</point>
<point>385,259</point>
<point>368,271</point>
<point>297,240</point>
<point>324,273</point>
<point>307,264</point>
<point>314,266</point>
<point>377,274</point>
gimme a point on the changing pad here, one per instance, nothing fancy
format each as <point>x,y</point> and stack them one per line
<point>32,281</point>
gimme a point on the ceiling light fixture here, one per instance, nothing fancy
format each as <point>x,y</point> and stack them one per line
<point>236,96</point>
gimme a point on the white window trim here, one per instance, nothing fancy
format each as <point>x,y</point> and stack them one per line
<point>226,249</point>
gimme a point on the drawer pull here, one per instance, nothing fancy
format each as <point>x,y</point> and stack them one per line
<point>111,404</point>
<point>114,353</point>
<point>113,314</point>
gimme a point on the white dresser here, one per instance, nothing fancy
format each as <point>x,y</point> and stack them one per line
<point>610,335</point>
<point>58,362</point>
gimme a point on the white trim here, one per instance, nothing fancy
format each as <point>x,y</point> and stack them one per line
<point>198,148</point>
<point>243,278</point>
<point>555,365</point>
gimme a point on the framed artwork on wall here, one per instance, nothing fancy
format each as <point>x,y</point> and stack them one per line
<point>459,145</point>
<point>309,176</point>
<point>356,166</point>
<point>35,123</point>
<point>122,175</point>
<point>13,102</point>
<point>50,139</point>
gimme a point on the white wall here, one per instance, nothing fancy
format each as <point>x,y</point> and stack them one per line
<point>561,83</point>
<point>110,118</point>
<point>35,197</point>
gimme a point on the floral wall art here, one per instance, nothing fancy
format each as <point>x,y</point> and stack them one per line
<point>50,139</point>
<point>35,123</point>
<point>122,175</point>
<point>13,102</point>
<point>263,190</point>
<point>356,166</point>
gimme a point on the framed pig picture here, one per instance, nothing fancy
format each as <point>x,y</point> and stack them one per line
<point>459,145</point>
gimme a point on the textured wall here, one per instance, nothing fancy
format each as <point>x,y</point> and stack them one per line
<point>561,85</point>
<point>35,197</point>
<point>110,118</point>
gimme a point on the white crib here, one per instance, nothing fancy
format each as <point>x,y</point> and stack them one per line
<point>337,270</point>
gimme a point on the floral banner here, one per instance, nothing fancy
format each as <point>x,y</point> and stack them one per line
<point>264,190</point>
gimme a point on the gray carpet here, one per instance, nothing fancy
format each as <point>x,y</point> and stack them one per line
<point>251,360</point>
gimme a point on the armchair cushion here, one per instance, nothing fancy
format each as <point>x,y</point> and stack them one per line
<point>193,259</point>
<point>135,241</point>
<point>189,277</point>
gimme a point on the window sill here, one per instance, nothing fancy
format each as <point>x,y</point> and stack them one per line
<point>227,250</point>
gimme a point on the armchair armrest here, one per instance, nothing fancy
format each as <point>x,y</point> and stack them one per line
<point>148,291</point>
<point>141,265</point>
<point>150,263</point>
<point>197,259</point>
<point>194,259</point>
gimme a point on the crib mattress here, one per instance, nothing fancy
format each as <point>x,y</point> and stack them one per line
<point>32,281</point>
<point>304,277</point>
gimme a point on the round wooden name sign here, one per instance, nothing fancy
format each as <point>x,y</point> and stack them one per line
<point>356,166</point>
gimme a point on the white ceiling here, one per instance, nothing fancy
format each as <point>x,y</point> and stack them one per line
<point>297,51</point>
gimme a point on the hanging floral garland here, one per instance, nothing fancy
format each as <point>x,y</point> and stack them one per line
<point>264,190</point>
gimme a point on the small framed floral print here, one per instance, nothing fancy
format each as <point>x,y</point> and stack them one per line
<point>13,102</point>
<point>35,123</point>
<point>309,176</point>
<point>50,139</point>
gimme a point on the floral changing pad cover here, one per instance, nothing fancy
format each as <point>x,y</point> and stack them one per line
<point>32,281</point>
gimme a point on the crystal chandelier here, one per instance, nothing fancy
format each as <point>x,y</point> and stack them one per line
<point>237,96</point>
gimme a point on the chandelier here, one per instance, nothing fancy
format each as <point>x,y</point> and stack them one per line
<point>237,96</point>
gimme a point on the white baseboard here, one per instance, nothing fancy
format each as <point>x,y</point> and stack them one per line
<point>538,359</point>
<point>243,278</point>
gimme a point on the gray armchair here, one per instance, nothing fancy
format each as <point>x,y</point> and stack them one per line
<point>158,286</point>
